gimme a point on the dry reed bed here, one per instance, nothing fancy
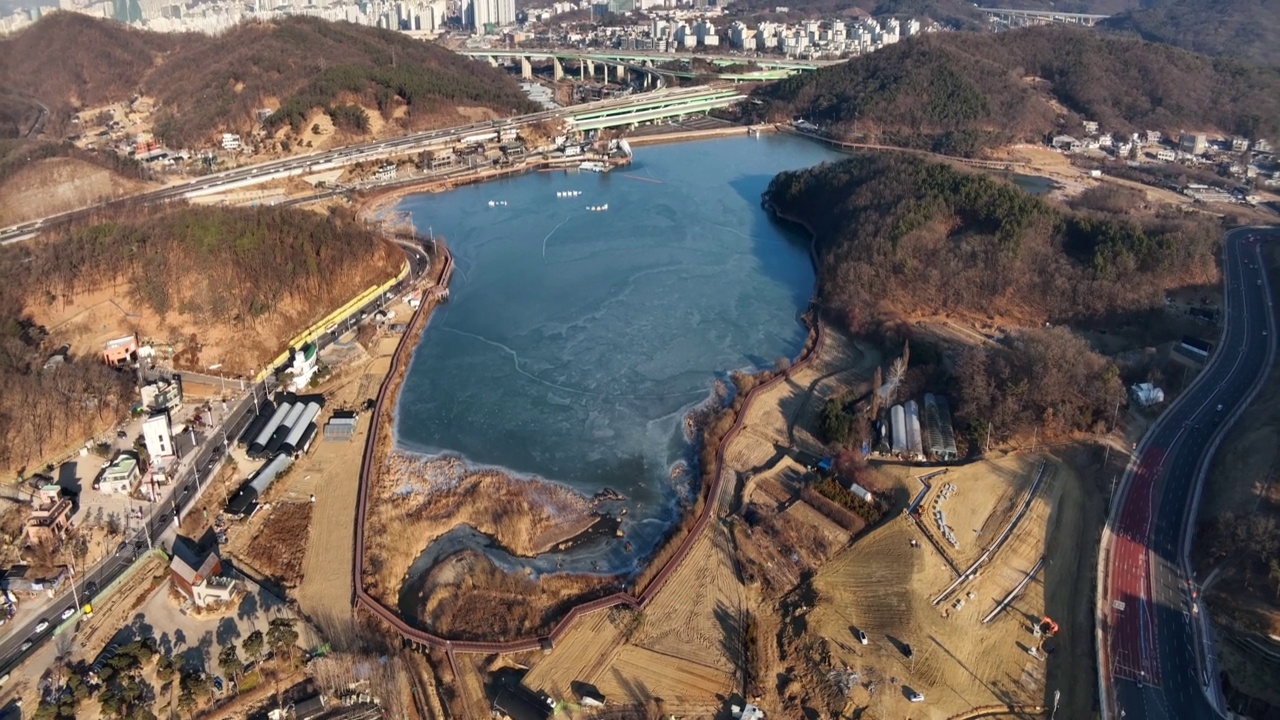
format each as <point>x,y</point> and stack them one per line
<point>417,499</point>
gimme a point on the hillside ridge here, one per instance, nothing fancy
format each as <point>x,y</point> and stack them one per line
<point>203,85</point>
<point>959,93</point>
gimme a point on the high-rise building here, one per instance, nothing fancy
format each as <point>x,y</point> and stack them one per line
<point>485,15</point>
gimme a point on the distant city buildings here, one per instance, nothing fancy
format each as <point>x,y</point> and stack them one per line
<point>675,30</point>
<point>484,17</point>
<point>419,17</point>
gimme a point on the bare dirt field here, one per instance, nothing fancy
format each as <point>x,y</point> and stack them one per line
<point>332,473</point>
<point>58,185</point>
<point>683,648</point>
<point>883,585</point>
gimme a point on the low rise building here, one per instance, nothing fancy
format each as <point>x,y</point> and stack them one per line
<point>120,351</point>
<point>200,578</point>
<point>50,517</point>
<point>25,580</point>
<point>1194,143</point>
<point>161,395</point>
<point>1066,143</point>
<point>157,434</point>
<point>122,475</point>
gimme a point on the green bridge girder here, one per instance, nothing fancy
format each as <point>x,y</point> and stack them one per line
<point>728,96</point>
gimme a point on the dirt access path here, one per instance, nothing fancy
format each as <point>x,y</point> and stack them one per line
<point>332,474</point>
<point>884,585</point>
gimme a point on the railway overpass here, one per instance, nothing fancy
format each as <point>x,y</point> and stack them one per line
<point>586,62</point>
<point>1023,18</point>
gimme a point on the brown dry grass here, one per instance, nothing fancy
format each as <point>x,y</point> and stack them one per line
<point>683,648</point>
<point>58,185</point>
<point>466,596</point>
<point>278,548</point>
<point>424,498</point>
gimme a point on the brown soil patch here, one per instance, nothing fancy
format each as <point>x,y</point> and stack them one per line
<point>277,549</point>
<point>58,185</point>
<point>884,586</point>
<point>425,498</point>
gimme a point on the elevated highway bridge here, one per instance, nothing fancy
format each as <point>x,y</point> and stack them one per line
<point>1021,18</point>
<point>617,112</point>
<point>586,61</point>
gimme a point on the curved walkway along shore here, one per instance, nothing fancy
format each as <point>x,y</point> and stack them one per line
<point>422,638</point>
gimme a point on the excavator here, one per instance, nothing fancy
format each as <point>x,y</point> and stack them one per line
<point>1048,626</point>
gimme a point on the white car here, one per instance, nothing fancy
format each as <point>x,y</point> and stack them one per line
<point>68,613</point>
<point>916,696</point>
<point>862,637</point>
<point>44,625</point>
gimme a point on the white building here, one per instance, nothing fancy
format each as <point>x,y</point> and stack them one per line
<point>230,141</point>
<point>157,434</point>
<point>305,363</point>
<point>121,475</point>
<point>483,14</point>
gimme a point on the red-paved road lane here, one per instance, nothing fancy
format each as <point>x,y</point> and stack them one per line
<point>1133,636</point>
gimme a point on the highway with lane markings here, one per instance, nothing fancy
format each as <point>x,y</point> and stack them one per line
<point>373,150</point>
<point>1155,656</point>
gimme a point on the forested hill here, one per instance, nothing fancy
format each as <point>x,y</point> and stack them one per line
<point>958,93</point>
<point>1243,29</point>
<point>219,284</point>
<point>899,235</point>
<point>208,84</point>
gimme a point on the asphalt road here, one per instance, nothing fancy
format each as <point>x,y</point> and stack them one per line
<point>318,161</point>
<point>185,491</point>
<point>159,518</point>
<point>1152,631</point>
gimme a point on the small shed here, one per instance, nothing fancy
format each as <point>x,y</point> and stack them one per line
<point>341,427</point>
